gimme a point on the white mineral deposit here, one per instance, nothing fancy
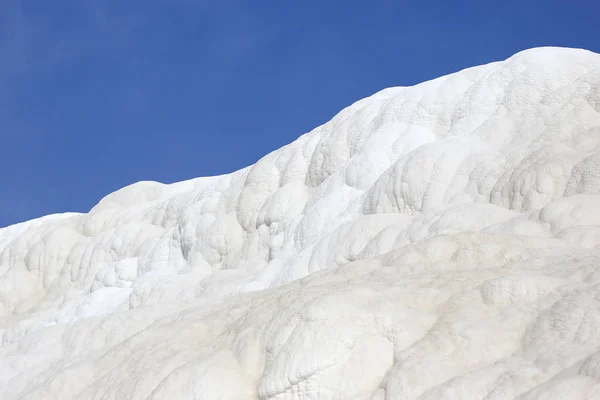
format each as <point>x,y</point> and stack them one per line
<point>440,241</point>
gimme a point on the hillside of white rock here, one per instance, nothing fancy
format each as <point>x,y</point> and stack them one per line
<point>440,241</point>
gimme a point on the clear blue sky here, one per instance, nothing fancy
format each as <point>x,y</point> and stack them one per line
<point>98,94</point>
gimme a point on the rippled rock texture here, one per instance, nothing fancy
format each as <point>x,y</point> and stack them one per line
<point>440,241</point>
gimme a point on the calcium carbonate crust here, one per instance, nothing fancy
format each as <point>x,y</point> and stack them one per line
<point>440,241</point>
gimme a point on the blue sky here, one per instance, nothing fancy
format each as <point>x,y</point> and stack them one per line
<point>98,94</point>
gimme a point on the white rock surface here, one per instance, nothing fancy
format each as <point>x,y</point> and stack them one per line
<point>440,241</point>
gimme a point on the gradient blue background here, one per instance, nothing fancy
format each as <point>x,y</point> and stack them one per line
<point>96,95</point>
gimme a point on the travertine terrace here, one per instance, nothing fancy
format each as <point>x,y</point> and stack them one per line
<point>440,241</point>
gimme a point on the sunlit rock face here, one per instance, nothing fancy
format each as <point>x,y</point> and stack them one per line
<point>440,241</point>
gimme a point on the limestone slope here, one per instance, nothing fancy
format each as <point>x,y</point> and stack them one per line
<point>440,241</point>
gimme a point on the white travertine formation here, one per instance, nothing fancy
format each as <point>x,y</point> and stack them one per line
<point>440,241</point>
